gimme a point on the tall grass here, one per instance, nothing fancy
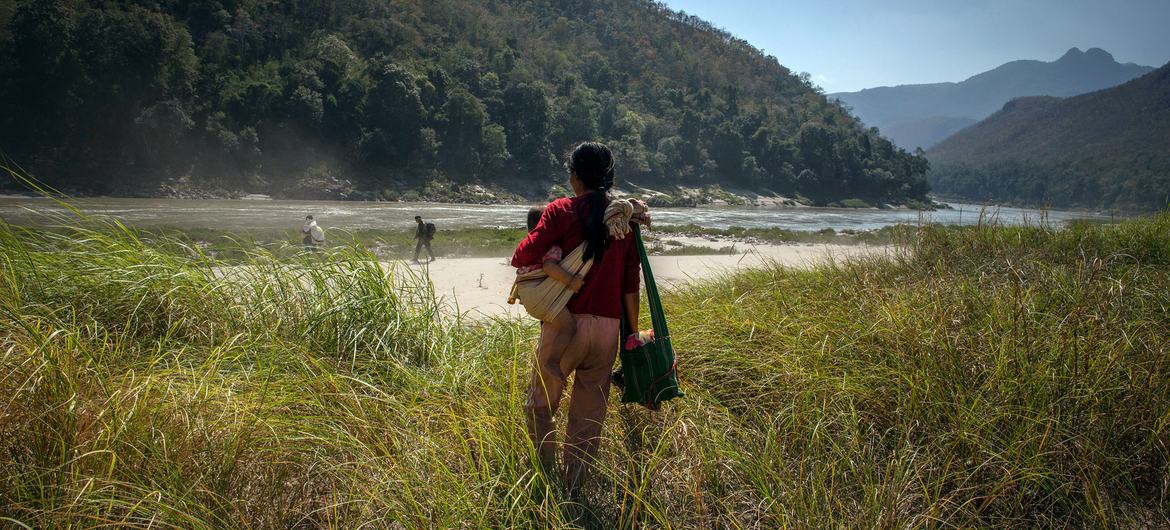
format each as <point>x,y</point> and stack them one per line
<point>979,377</point>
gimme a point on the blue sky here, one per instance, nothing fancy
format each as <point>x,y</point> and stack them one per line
<point>852,44</point>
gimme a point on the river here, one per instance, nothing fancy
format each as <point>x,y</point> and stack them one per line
<point>243,215</point>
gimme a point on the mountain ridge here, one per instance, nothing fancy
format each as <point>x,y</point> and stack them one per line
<point>920,115</point>
<point>1107,148</point>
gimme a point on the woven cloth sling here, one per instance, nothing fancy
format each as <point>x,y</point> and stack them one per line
<point>543,297</point>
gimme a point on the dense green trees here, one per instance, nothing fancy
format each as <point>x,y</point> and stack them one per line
<point>393,116</point>
<point>118,96</point>
<point>463,119</point>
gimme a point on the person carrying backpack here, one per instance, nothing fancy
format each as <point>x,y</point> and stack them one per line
<point>423,236</point>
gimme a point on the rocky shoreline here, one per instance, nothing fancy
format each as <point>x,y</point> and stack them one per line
<point>337,189</point>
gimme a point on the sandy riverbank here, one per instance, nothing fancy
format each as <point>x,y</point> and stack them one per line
<point>479,287</point>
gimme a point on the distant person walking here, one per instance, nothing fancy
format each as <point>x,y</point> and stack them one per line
<point>314,236</point>
<point>423,235</point>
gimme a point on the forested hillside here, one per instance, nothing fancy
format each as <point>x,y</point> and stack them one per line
<point>369,98</point>
<point>1104,149</point>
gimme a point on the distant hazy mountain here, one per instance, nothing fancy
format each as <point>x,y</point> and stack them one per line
<point>1103,149</point>
<point>922,115</point>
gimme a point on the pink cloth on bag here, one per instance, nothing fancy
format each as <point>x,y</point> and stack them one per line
<point>637,339</point>
<point>554,254</point>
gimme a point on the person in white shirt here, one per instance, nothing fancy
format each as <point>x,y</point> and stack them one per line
<point>314,235</point>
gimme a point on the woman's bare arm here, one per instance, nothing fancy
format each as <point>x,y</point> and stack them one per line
<point>632,308</point>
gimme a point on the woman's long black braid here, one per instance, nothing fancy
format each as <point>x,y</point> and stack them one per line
<point>594,165</point>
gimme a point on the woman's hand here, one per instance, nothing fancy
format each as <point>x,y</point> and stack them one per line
<point>576,284</point>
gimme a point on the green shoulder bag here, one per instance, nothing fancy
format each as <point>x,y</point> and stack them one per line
<point>649,373</point>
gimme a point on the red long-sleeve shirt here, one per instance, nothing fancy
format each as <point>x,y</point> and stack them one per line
<point>618,272</point>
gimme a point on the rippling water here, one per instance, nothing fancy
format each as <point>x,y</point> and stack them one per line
<point>240,215</point>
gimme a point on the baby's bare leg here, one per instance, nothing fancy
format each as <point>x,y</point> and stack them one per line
<point>564,326</point>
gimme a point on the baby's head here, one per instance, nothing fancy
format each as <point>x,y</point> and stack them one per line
<point>534,217</point>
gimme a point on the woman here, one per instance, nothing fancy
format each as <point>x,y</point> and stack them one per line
<point>610,287</point>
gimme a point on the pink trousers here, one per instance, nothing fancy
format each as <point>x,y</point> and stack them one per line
<point>589,357</point>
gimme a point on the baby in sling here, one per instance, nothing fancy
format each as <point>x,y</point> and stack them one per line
<point>544,289</point>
